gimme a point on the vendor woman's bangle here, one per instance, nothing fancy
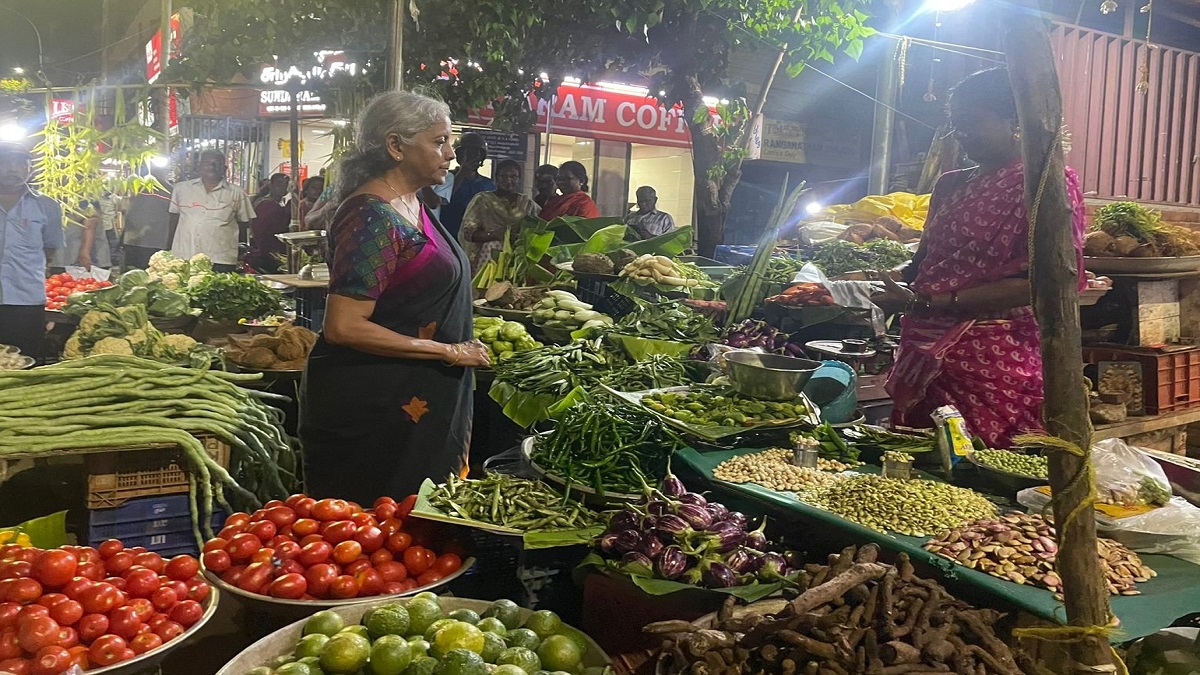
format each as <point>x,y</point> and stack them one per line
<point>918,301</point>
<point>457,349</point>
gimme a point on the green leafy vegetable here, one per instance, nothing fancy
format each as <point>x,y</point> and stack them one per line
<point>229,297</point>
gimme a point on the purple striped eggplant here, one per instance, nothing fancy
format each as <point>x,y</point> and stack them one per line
<point>729,536</point>
<point>637,564</point>
<point>718,511</point>
<point>671,525</point>
<point>626,541</point>
<point>627,519</point>
<point>607,543</point>
<point>651,546</point>
<point>693,498</point>
<point>696,516</point>
<point>672,563</point>
<point>718,575</point>
<point>741,561</point>
<point>673,487</point>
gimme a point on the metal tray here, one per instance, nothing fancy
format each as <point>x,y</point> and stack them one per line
<point>1135,266</point>
<point>715,433</point>
<point>150,661</point>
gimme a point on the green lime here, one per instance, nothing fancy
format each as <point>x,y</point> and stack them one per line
<point>419,647</point>
<point>390,655</point>
<point>357,629</point>
<point>325,622</point>
<point>294,668</point>
<point>427,595</point>
<point>458,635</point>
<point>310,645</point>
<point>507,669</point>
<point>461,662</point>
<point>422,612</point>
<point>282,660</point>
<point>544,622</point>
<point>432,631</point>
<point>507,611</point>
<point>387,620</point>
<point>492,625</point>
<point>523,637</point>
<point>559,652</point>
<point>345,653</point>
<point>464,615</point>
<point>579,638</point>
<point>521,657</point>
<point>493,646</point>
<point>422,665</point>
<point>314,665</point>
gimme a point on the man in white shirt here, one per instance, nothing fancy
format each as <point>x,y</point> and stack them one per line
<point>208,213</point>
<point>648,222</point>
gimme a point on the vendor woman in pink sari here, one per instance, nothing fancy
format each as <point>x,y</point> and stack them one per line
<point>968,337</point>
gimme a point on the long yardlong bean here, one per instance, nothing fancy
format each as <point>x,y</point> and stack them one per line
<point>517,503</point>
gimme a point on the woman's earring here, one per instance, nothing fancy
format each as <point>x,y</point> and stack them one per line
<point>1017,134</point>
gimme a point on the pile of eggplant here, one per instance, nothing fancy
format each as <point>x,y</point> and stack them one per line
<point>752,333</point>
<point>680,536</point>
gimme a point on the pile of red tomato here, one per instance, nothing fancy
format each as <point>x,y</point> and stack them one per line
<point>89,607</point>
<point>307,549</point>
<point>60,286</point>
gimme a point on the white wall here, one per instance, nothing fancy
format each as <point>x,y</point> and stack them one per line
<point>315,142</point>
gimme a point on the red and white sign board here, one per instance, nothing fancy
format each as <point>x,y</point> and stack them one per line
<point>154,49</point>
<point>593,112</point>
<point>62,110</point>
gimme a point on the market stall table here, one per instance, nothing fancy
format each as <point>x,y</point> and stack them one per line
<point>310,298</point>
<point>1174,593</point>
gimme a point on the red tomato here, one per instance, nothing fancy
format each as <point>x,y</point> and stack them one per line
<point>24,591</point>
<point>238,519</point>
<point>242,546</point>
<point>182,567</point>
<point>371,538</point>
<point>124,621</point>
<point>36,632</point>
<point>362,519</point>
<point>107,650</point>
<point>142,607</point>
<point>90,570</point>
<point>86,554</point>
<point>381,556</point>
<point>255,578</point>
<point>30,611</point>
<point>99,598</point>
<point>116,582</point>
<point>55,568</point>
<point>357,565</point>
<point>145,642</point>
<point>51,599</point>
<point>199,590</point>
<point>331,509</point>
<point>287,550</point>
<point>288,586</point>
<point>291,500</point>
<point>263,529</point>
<point>282,516</point>
<point>310,539</point>
<point>79,657</point>
<point>26,554</point>
<point>16,666</point>
<point>370,582</point>
<point>289,567</point>
<point>430,577</point>
<point>51,661</point>
<point>8,615</point>
<point>347,552</point>
<point>303,507</point>
<point>14,569</point>
<point>66,637</point>
<point>215,544</point>
<point>339,531</point>
<point>229,532</point>
<point>150,560</point>
<point>418,559</point>
<point>279,539</point>
<point>408,584</point>
<point>320,577</point>
<point>385,511</point>
<point>168,630</point>
<point>186,612</point>
<point>399,542</point>
<point>141,582</point>
<point>390,526</point>
<point>345,586</point>
<point>67,613</point>
<point>315,553</point>
<point>118,563</point>
<point>154,621</point>
<point>392,571</point>
<point>447,564</point>
<point>406,506</point>
<point>305,526</point>
<point>216,561</point>
<point>9,647</point>
<point>231,575</point>
<point>92,626</point>
<point>263,555</point>
<point>393,588</point>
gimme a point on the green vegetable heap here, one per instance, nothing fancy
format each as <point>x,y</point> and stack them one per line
<point>557,369</point>
<point>503,337</point>
<point>229,297</point>
<point>1034,466</point>
<point>515,503</point>
<point>668,321</point>
<point>127,331</point>
<point>134,287</point>
<point>838,257</point>
<point>717,406</point>
<point>656,371</point>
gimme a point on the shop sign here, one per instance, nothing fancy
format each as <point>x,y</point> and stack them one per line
<point>63,110</point>
<point>593,112</point>
<point>792,142</point>
<point>274,102</point>
<point>503,146</point>
<point>154,49</point>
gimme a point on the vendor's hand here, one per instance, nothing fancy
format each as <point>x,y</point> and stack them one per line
<point>471,354</point>
<point>894,297</point>
<point>84,261</point>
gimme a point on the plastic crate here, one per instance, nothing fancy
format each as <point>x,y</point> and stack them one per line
<point>597,292</point>
<point>127,531</point>
<point>1170,380</point>
<point>147,508</point>
<point>163,541</point>
<point>116,477</point>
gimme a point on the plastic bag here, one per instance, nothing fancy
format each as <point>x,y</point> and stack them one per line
<point>97,273</point>
<point>1127,476</point>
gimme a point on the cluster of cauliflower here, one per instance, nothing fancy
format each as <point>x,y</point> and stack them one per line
<point>127,331</point>
<point>178,274</point>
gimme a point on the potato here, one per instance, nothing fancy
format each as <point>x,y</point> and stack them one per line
<point>1124,245</point>
<point>890,223</point>
<point>1097,243</point>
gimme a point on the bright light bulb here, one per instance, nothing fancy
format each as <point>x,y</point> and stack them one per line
<point>159,161</point>
<point>19,70</point>
<point>813,208</point>
<point>543,77</point>
<point>11,133</point>
<point>947,5</point>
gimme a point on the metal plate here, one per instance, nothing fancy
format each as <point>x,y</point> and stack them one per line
<point>1135,266</point>
<point>150,661</point>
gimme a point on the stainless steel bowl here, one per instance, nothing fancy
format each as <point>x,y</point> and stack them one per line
<point>769,376</point>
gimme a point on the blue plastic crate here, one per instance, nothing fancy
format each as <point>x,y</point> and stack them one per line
<point>145,508</point>
<point>168,553</point>
<point>142,528</point>
<point>163,541</point>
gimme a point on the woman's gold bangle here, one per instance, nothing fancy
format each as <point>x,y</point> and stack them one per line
<point>457,349</point>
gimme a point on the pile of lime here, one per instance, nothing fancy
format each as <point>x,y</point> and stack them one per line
<point>420,638</point>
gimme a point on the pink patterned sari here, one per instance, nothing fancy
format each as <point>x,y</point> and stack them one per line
<point>990,368</point>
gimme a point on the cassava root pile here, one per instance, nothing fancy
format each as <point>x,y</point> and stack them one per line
<point>856,615</point>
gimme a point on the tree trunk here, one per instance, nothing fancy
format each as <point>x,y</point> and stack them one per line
<point>1054,279</point>
<point>712,195</point>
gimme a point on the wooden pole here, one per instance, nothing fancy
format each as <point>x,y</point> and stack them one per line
<point>1054,280</point>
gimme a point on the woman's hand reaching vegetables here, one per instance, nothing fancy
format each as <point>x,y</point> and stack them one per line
<point>894,298</point>
<point>471,354</point>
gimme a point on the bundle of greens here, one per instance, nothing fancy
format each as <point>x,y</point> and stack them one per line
<point>668,320</point>
<point>839,257</point>
<point>134,287</point>
<point>229,297</point>
<point>1130,229</point>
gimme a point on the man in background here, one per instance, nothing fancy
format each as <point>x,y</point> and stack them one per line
<point>272,216</point>
<point>208,213</point>
<point>31,229</point>
<point>648,222</point>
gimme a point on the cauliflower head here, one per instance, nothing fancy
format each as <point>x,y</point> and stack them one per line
<point>174,346</point>
<point>170,280</point>
<point>91,321</point>
<point>73,348</point>
<point>158,261</point>
<point>195,280</point>
<point>200,263</point>
<point>112,345</point>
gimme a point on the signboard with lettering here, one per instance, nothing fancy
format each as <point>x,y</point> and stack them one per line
<point>63,110</point>
<point>593,112</point>
<point>503,145</point>
<point>783,141</point>
<point>277,102</point>
<point>154,49</point>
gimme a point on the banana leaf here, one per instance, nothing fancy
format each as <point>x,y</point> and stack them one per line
<point>611,238</point>
<point>43,532</point>
<point>672,243</point>
<point>526,409</point>
<point>576,230</point>
<point>748,593</point>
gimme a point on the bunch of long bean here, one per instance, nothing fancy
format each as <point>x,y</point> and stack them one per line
<point>557,369</point>
<point>517,503</point>
<point>653,372</point>
<point>115,401</point>
<point>607,446</point>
